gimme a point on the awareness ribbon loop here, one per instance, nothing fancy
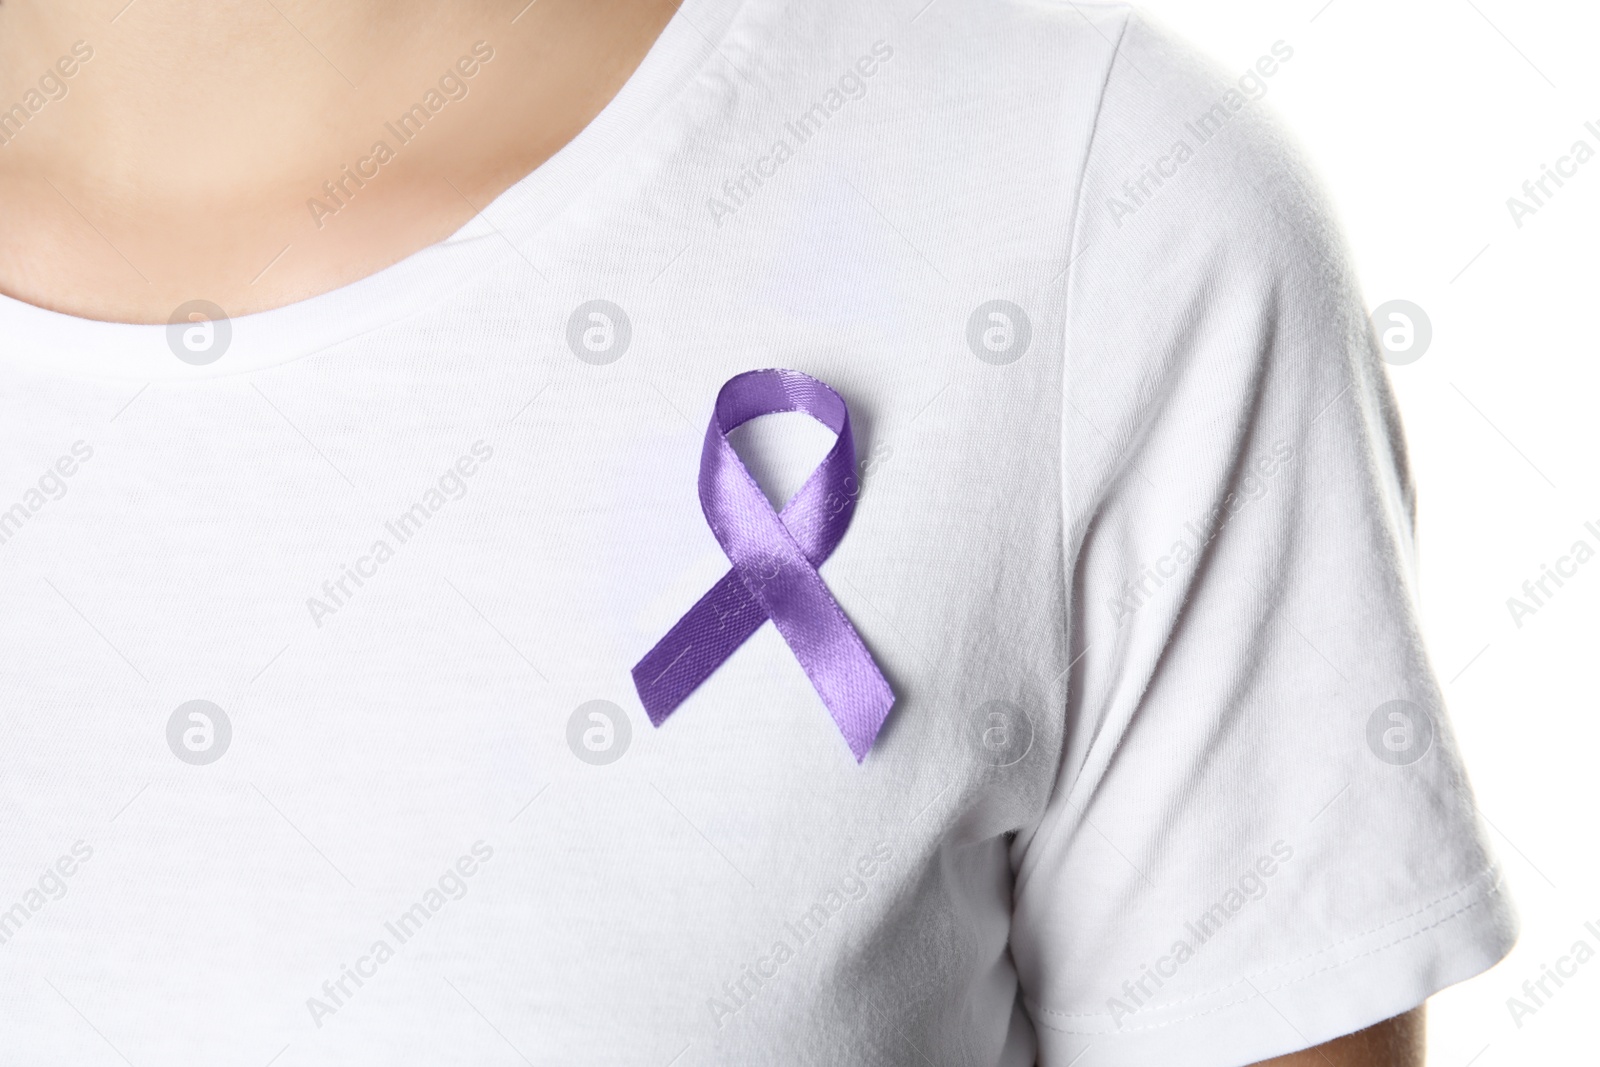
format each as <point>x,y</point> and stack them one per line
<point>775,556</point>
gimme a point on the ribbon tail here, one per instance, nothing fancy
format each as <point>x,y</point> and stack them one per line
<point>829,649</point>
<point>848,680</point>
<point>696,646</point>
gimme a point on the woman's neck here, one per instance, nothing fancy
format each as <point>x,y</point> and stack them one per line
<point>159,151</point>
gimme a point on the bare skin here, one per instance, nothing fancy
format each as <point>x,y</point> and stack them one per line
<point>1397,1042</point>
<point>178,160</point>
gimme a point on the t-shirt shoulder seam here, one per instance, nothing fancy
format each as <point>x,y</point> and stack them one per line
<point>1069,272</point>
<point>1075,227</point>
<point>1069,551</point>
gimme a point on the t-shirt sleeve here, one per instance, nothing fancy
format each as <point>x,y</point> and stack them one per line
<point>1261,836</point>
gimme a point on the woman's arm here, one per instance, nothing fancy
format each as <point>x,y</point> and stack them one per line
<point>1396,1042</point>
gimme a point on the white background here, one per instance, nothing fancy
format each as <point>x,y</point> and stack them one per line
<point>1423,117</point>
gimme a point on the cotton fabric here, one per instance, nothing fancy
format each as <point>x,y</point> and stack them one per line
<point>1133,547</point>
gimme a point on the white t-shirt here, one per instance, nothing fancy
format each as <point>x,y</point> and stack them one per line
<point>1165,781</point>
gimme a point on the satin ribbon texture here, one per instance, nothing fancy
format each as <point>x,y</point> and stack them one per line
<point>775,556</point>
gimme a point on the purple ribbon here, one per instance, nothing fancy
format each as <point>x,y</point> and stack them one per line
<point>775,558</point>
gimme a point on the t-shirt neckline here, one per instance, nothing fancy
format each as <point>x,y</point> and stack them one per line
<point>68,345</point>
